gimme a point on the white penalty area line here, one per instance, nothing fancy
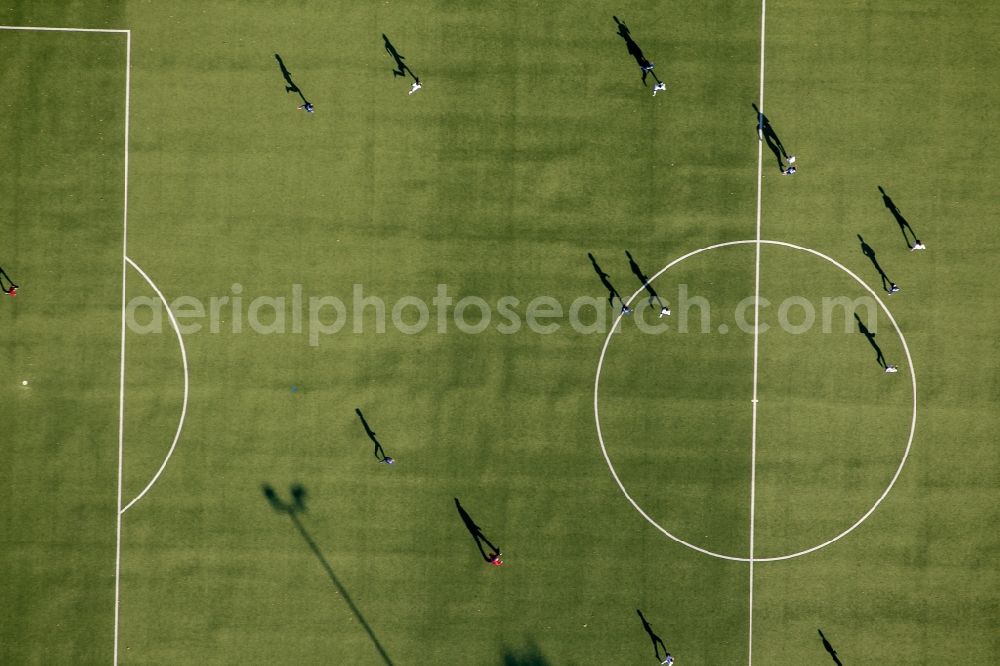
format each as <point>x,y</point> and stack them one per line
<point>33,28</point>
<point>121,374</point>
<point>121,378</point>
<point>756,346</point>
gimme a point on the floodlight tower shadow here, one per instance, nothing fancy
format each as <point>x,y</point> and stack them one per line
<point>530,655</point>
<point>297,506</point>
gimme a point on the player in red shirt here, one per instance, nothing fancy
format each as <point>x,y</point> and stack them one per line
<point>12,289</point>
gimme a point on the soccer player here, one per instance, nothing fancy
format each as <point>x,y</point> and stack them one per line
<point>893,287</point>
<point>415,87</point>
<point>917,245</point>
<point>664,312</point>
<point>891,368</point>
<point>495,560</point>
<point>307,107</point>
<point>659,87</point>
<point>387,460</point>
<point>790,171</point>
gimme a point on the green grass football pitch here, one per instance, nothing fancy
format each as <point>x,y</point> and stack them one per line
<point>531,144</point>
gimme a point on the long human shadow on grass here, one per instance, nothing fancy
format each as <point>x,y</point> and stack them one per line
<point>658,643</point>
<point>401,67</point>
<point>829,648</point>
<point>606,281</point>
<point>879,356</point>
<point>633,49</point>
<point>292,510</point>
<point>904,226</point>
<point>477,534</point>
<point>770,137</point>
<point>867,250</point>
<point>379,451</point>
<point>644,279</point>
<point>289,83</point>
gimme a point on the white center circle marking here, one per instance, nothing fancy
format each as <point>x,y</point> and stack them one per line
<point>867,514</point>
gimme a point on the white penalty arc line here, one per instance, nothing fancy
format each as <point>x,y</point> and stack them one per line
<point>180,423</point>
<point>867,514</point>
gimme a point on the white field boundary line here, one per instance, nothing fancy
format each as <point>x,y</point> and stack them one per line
<point>756,345</point>
<point>43,29</point>
<point>616,327</point>
<point>184,403</point>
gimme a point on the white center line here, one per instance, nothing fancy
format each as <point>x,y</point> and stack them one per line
<point>756,344</point>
